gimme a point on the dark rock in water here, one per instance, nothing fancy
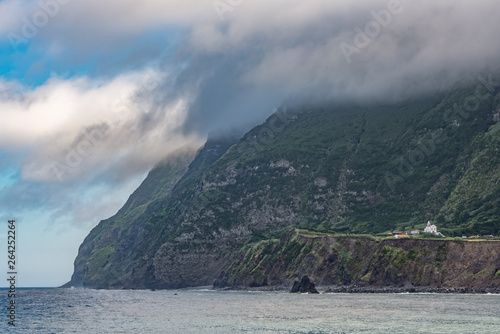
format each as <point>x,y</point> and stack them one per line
<point>221,281</point>
<point>305,285</point>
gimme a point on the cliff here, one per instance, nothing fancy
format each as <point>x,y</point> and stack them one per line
<point>336,168</point>
<point>332,260</point>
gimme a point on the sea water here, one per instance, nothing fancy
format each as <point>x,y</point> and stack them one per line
<point>203,311</point>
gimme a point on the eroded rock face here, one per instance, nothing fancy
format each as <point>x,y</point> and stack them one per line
<point>304,286</point>
<point>361,262</point>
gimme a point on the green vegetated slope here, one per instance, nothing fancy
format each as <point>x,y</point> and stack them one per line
<point>337,260</point>
<point>332,168</point>
<point>474,204</point>
<point>97,254</point>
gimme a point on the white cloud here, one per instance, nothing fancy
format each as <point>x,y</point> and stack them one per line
<point>90,125</point>
<point>293,43</point>
<point>234,70</point>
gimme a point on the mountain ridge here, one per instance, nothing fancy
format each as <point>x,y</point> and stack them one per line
<point>335,168</point>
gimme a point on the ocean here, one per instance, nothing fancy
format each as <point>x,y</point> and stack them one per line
<point>41,311</point>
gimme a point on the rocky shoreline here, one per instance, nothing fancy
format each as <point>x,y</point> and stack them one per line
<point>390,289</point>
<point>373,289</point>
<point>346,289</point>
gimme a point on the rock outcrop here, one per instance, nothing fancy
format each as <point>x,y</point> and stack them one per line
<point>304,286</point>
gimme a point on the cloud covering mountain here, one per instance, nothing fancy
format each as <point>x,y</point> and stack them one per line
<point>94,93</point>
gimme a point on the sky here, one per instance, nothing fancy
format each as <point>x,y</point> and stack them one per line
<point>94,93</point>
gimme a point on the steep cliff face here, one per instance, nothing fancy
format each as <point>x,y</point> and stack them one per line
<point>336,168</point>
<point>119,251</point>
<point>364,261</point>
<point>110,239</point>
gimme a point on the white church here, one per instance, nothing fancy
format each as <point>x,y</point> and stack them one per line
<point>431,228</point>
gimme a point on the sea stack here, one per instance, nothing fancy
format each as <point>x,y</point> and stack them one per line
<point>304,286</point>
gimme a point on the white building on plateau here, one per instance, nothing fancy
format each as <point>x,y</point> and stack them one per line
<point>431,228</point>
